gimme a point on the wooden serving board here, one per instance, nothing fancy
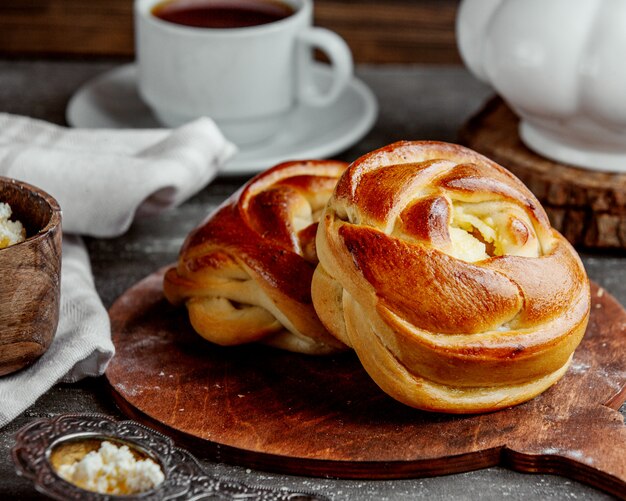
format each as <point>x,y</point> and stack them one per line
<point>323,416</point>
<point>587,206</point>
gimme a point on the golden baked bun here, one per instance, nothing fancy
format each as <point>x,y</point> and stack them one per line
<point>245,273</point>
<point>441,270</point>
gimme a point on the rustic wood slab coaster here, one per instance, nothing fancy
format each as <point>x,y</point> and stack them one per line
<point>588,207</point>
<point>323,416</point>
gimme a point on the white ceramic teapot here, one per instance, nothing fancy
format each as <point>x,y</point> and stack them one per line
<point>561,66</point>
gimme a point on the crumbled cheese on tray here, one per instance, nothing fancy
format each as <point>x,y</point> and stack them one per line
<point>113,470</point>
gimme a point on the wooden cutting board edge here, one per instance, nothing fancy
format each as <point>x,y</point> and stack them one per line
<point>383,470</point>
<point>322,468</point>
<point>505,455</point>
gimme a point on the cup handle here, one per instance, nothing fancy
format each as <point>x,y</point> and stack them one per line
<point>341,63</point>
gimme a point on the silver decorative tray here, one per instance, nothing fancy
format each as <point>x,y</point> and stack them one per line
<point>184,477</point>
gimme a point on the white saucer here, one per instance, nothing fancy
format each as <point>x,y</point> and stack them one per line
<point>111,101</point>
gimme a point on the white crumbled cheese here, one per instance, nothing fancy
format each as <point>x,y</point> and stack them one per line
<point>466,247</point>
<point>11,232</point>
<point>113,470</point>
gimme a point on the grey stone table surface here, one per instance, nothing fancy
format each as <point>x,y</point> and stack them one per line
<point>416,102</point>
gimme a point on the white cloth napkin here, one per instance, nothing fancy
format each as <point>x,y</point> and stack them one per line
<point>102,179</point>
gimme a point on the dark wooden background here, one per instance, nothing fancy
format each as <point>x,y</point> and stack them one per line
<point>387,31</point>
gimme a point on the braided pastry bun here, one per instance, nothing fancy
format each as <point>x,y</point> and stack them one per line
<point>441,270</point>
<point>245,273</point>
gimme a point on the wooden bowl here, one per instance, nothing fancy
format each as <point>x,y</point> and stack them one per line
<point>30,277</point>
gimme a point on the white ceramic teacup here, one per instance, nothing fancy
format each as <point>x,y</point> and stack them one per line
<point>246,79</point>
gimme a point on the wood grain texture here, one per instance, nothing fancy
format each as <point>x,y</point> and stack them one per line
<point>323,416</point>
<point>30,271</point>
<point>588,207</point>
<point>66,27</point>
<point>397,31</point>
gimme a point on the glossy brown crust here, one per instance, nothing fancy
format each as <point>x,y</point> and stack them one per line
<point>426,220</point>
<point>413,279</point>
<point>245,273</point>
<point>435,331</point>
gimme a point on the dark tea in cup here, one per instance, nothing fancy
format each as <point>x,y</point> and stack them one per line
<point>221,59</point>
<point>222,13</point>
